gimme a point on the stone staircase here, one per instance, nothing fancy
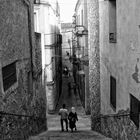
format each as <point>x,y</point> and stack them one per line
<point>79,135</point>
<point>83,125</point>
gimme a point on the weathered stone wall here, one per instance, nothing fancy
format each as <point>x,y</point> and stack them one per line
<point>58,77</point>
<point>38,85</point>
<point>94,58</point>
<point>119,126</point>
<point>82,44</point>
<point>23,105</point>
<point>14,34</point>
<point>15,44</point>
<point>46,13</point>
<point>121,60</point>
<point>37,53</point>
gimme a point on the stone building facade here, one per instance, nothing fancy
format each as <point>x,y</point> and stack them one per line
<point>94,59</point>
<point>47,22</point>
<point>114,82</point>
<point>82,52</point>
<point>22,98</point>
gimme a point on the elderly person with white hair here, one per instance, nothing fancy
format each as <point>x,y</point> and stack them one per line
<point>72,119</point>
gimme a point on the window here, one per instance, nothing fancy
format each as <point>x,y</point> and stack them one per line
<point>134,110</point>
<point>82,18</point>
<point>35,22</point>
<point>113,91</point>
<point>112,21</point>
<point>9,75</point>
<point>59,39</point>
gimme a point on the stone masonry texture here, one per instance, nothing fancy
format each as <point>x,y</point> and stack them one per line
<point>26,96</point>
<point>94,60</point>
<point>113,123</point>
<point>119,126</point>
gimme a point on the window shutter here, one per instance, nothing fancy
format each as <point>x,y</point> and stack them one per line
<point>9,75</point>
<point>113,91</point>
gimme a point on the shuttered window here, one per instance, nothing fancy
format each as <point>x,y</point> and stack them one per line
<point>134,110</point>
<point>113,91</point>
<point>9,75</point>
<point>112,21</point>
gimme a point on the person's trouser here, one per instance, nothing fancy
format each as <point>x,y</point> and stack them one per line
<point>66,122</point>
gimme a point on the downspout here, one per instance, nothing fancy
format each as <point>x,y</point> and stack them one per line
<point>28,4</point>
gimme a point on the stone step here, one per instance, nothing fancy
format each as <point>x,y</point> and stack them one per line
<point>79,135</point>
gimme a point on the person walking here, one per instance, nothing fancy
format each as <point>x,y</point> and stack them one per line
<point>72,119</point>
<point>63,112</point>
<point>65,71</point>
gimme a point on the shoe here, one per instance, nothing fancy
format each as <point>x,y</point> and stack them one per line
<point>62,130</point>
<point>67,130</point>
<point>75,129</point>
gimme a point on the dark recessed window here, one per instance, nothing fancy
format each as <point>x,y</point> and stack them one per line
<point>112,21</point>
<point>9,75</point>
<point>59,38</point>
<point>113,91</point>
<point>36,1</point>
<point>134,110</point>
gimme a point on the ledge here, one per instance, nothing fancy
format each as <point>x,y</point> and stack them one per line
<point>50,83</point>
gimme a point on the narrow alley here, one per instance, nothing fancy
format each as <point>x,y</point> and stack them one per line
<point>84,54</point>
<point>83,125</point>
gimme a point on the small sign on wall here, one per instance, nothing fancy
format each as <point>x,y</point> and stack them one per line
<point>112,37</point>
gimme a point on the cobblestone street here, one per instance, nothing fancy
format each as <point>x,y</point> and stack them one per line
<point>83,125</point>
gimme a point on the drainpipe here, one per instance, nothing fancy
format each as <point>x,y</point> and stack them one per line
<point>30,27</point>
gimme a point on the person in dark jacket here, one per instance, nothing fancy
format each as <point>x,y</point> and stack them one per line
<point>63,112</point>
<point>65,71</point>
<point>72,119</point>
